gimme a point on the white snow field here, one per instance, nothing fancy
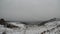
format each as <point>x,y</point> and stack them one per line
<point>49,28</point>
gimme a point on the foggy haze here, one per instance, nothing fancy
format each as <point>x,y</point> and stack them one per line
<point>29,10</point>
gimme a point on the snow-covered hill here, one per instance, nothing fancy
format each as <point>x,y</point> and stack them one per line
<point>48,28</point>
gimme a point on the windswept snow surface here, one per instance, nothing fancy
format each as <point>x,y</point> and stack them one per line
<point>49,28</point>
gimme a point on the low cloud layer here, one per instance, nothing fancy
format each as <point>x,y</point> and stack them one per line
<point>29,10</point>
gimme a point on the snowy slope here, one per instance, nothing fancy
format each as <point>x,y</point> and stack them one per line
<point>48,28</point>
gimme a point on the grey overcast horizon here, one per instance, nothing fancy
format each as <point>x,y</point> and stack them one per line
<point>29,10</point>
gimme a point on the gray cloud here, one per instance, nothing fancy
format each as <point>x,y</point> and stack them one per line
<point>29,10</point>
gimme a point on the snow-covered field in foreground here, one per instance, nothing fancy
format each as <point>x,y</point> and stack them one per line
<point>49,28</point>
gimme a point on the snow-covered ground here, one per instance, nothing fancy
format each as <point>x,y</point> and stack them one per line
<point>49,28</point>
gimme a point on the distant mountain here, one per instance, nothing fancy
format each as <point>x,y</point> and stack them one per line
<point>47,21</point>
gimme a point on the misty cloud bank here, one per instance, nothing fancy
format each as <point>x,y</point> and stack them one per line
<point>29,10</point>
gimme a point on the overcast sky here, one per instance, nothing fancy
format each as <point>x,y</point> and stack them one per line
<point>29,10</point>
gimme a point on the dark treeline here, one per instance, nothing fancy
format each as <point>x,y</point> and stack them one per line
<point>24,23</point>
<point>3,22</point>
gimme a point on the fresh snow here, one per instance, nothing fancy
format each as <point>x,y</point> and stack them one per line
<point>33,29</point>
